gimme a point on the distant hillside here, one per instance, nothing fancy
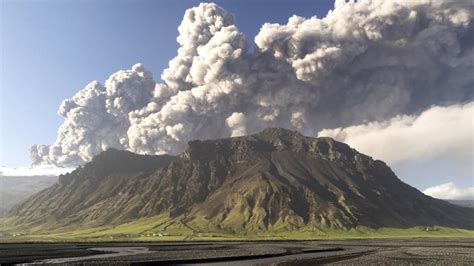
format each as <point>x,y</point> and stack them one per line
<point>276,179</point>
<point>463,203</point>
<point>15,189</point>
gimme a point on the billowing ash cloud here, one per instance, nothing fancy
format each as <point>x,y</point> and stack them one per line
<point>96,118</point>
<point>364,61</point>
<point>437,132</point>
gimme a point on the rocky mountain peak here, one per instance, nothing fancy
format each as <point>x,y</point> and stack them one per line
<point>276,179</point>
<point>271,140</point>
<point>275,133</point>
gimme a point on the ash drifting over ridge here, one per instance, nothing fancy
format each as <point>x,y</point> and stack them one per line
<point>364,61</point>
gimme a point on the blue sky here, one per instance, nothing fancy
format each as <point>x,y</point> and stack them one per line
<point>52,49</point>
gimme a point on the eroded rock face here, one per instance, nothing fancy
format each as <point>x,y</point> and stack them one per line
<point>276,179</point>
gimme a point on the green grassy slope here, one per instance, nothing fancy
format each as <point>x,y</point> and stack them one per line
<point>162,228</point>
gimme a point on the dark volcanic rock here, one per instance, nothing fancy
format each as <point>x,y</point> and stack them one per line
<point>276,179</point>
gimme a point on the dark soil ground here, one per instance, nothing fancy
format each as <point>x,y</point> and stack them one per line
<point>452,251</point>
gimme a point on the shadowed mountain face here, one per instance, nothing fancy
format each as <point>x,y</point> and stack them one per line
<point>274,179</point>
<point>94,192</point>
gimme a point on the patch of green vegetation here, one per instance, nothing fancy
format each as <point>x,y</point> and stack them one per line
<point>365,232</point>
<point>163,228</point>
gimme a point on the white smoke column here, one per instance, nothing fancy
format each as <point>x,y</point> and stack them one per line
<point>236,123</point>
<point>207,81</point>
<point>129,90</point>
<point>200,25</point>
<point>366,60</point>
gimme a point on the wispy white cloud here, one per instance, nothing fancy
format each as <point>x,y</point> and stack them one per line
<point>438,131</point>
<point>40,170</point>
<point>450,191</point>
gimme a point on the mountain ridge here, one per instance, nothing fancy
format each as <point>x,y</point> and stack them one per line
<point>276,179</point>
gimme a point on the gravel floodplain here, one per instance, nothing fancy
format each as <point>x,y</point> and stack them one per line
<point>340,252</point>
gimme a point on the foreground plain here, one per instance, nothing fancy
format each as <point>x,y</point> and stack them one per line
<point>356,251</point>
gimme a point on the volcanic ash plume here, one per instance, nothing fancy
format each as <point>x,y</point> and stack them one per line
<point>96,118</point>
<point>364,61</point>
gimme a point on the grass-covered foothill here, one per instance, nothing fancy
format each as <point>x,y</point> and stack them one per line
<point>163,228</point>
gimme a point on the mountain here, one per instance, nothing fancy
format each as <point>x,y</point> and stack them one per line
<point>88,193</point>
<point>15,189</point>
<point>276,179</point>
